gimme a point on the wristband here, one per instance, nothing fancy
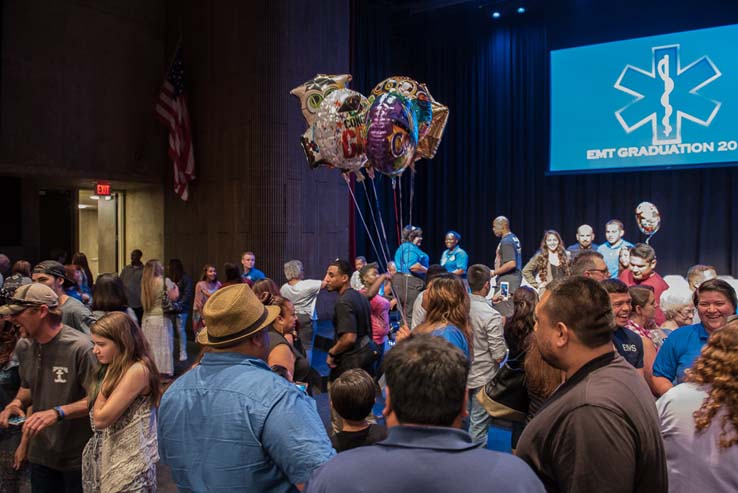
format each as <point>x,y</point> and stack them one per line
<point>59,413</point>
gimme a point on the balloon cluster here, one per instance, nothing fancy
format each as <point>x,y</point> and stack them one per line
<point>397,125</point>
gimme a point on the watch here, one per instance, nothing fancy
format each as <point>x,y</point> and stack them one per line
<point>59,413</point>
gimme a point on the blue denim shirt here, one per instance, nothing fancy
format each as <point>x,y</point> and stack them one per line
<point>230,424</point>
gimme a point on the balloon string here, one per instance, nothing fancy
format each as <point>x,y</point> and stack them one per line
<point>381,222</point>
<point>402,216</point>
<point>376,227</point>
<point>397,220</point>
<point>356,205</point>
<point>412,193</point>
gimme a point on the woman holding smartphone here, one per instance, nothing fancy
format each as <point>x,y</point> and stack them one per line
<point>123,451</point>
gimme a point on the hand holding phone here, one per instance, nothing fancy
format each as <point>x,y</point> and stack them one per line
<point>16,420</point>
<point>505,289</point>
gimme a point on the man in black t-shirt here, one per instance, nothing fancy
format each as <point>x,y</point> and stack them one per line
<point>352,323</point>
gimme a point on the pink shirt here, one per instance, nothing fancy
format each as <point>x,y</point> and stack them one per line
<point>380,307</point>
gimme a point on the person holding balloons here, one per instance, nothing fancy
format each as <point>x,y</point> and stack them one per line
<point>412,264</point>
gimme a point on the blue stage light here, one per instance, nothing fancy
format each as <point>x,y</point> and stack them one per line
<point>521,10</point>
<point>495,15</point>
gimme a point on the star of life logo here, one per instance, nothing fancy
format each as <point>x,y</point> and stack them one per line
<point>667,95</point>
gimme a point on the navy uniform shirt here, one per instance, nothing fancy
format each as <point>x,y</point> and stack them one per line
<point>629,345</point>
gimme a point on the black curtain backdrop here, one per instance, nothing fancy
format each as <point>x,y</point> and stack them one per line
<point>494,77</point>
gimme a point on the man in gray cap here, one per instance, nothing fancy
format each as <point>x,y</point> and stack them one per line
<point>74,313</point>
<point>56,362</point>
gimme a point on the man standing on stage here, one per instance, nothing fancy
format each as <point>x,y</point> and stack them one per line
<point>610,250</point>
<point>508,263</point>
<point>585,241</point>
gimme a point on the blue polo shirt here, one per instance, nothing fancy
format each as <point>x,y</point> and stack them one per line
<point>253,275</point>
<point>407,255</point>
<point>612,255</point>
<point>455,259</point>
<point>431,459</point>
<point>231,424</point>
<point>679,351</point>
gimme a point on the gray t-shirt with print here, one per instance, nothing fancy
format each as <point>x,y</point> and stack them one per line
<point>57,373</point>
<point>76,315</point>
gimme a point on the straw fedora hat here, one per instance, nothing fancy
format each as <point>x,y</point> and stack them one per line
<point>232,314</point>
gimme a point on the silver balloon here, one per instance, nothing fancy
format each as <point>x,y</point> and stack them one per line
<point>339,129</point>
<point>648,218</point>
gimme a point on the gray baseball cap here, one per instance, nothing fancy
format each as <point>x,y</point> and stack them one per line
<point>30,295</point>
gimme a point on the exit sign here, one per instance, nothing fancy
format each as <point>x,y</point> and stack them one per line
<point>102,189</point>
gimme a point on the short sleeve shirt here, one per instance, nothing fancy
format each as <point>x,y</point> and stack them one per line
<point>352,315</point>
<point>679,351</point>
<point>455,259</point>
<point>509,249</point>
<point>407,255</point>
<point>58,373</point>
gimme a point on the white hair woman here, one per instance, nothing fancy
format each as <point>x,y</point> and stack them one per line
<point>302,293</point>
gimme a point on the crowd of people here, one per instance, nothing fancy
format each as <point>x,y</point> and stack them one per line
<point>629,378</point>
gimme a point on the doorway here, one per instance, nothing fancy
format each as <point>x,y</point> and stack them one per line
<point>100,227</point>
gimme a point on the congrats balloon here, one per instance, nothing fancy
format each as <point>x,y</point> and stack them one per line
<point>392,133</point>
<point>648,218</point>
<point>312,92</point>
<point>339,129</point>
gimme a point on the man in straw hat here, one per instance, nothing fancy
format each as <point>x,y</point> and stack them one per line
<point>56,362</point>
<point>231,424</point>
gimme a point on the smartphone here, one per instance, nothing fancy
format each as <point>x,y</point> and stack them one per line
<point>302,386</point>
<point>505,289</point>
<point>16,420</point>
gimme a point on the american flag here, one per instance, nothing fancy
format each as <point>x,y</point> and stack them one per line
<point>171,110</point>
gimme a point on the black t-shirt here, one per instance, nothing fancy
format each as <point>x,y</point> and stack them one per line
<point>352,315</point>
<point>629,345</point>
<point>346,440</point>
<point>302,366</point>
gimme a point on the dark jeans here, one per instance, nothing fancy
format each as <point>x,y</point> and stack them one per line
<point>47,480</point>
<point>306,331</point>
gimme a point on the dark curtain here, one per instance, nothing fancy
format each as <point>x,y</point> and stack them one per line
<point>494,155</point>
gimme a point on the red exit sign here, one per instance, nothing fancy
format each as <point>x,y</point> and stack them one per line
<point>102,189</point>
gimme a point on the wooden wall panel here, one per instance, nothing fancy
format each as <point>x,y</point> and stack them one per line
<point>254,189</point>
